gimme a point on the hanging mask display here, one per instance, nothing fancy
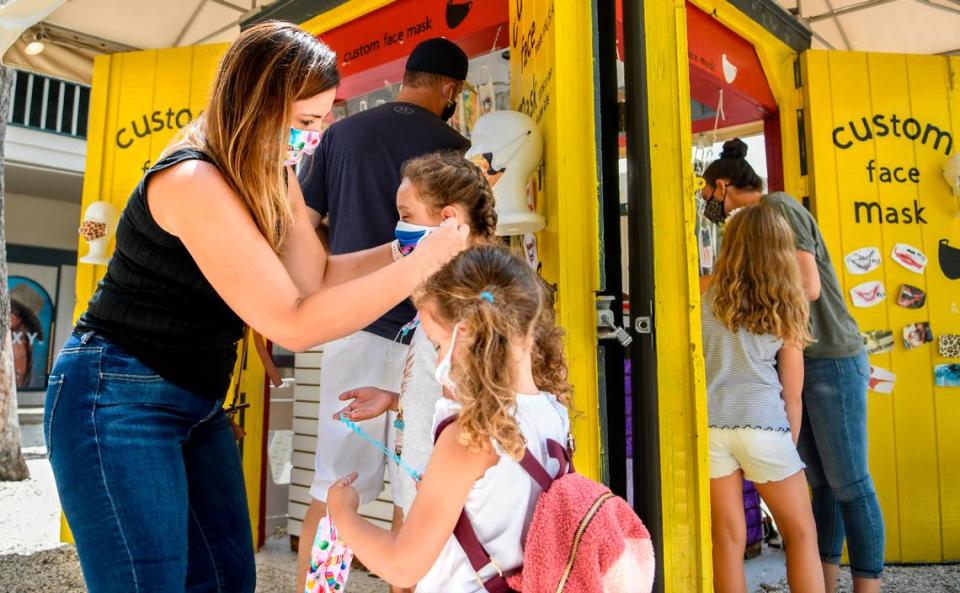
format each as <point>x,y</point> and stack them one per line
<point>301,142</point>
<point>949,345</point>
<point>409,235</point>
<point>916,335</point>
<point>868,294</point>
<point>947,375</point>
<point>878,341</point>
<point>949,260</point>
<point>863,261</point>
<point>442,374</point>
<point>881,380</point>
<point>487,94</point>
<point>909,257</point>
<point>911,297</point>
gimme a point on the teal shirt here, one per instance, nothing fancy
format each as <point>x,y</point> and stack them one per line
<point>835,331</point>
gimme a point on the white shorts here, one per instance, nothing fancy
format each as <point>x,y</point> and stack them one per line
<point>764,455</point>
<point>358,360</point>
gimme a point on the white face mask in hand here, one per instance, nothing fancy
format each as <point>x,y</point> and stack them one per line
<point>442,374</point>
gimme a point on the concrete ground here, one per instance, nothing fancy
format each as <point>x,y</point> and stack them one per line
<point>33,561</point>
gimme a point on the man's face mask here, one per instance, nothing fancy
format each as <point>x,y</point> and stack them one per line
<point>713,210</point>
<point>451,107</point>
<point>409,235</point>
<point>442,374</point>
<point>448,110</point>
<point>301,142</point>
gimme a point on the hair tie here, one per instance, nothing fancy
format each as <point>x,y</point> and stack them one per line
<point>487,296</point>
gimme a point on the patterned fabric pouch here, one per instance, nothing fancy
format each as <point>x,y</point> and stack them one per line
<point>329,561</point>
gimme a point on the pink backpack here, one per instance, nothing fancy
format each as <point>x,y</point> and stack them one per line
<point>582,538</point>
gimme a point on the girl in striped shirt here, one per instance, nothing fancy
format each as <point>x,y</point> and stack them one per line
<point>755,326</point>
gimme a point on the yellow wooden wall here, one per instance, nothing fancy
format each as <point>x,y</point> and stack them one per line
<point>914,444</point>
<point>556,85</point>
<point>127,87</point>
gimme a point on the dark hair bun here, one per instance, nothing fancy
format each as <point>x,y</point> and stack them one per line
<point>734,149</point>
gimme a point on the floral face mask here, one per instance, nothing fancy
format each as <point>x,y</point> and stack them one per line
<point>301,142</point>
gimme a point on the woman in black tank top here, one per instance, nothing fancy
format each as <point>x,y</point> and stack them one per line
<point>214,236</point>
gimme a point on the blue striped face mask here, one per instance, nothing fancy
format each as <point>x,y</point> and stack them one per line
<point>409,235</point>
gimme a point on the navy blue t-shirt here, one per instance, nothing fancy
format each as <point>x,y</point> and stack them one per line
<point>354,174</point>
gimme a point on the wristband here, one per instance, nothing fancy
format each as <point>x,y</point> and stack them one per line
<point>395,248</point>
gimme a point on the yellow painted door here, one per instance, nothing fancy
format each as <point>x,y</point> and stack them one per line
<point>879,129</point>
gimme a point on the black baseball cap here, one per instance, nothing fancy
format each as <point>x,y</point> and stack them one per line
<point>439,56</point>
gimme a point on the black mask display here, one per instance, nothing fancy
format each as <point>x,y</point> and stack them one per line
<point>448,110</point>
<point>714,211</point>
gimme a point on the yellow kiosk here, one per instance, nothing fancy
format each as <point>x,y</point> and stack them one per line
<point>827,119</point>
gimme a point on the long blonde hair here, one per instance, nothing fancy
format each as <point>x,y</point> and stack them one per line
<point>246,124</point>
<point>757,285</point>
<point>460,294</point>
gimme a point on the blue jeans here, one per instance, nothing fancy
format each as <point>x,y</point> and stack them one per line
<point>833,444</point>
<point>149,476</point>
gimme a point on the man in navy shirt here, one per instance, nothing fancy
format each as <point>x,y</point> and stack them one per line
<point>352,180</point>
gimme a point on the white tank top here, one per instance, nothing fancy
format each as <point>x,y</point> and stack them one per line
<point>501,503</point>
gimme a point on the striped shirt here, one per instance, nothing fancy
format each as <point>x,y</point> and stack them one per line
<point>743,387</point>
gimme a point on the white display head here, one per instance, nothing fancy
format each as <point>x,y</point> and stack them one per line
<point>508,145</point>
<point>97,227</point>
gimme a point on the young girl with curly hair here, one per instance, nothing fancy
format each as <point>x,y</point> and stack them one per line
<point>482,313</point>
<point>755,326</point>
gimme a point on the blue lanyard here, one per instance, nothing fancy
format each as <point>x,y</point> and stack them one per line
<point>390,454</point>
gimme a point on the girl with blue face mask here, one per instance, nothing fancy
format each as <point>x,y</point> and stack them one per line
<point>435,188</point>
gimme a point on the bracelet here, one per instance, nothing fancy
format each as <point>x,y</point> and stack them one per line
<point>395,248</point>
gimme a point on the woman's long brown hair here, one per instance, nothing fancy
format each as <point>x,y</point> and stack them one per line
<point>246,124</point>
<point>757,285</point>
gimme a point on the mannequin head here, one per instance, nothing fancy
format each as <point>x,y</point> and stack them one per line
<point>508,146</point>
<point>97,227</point>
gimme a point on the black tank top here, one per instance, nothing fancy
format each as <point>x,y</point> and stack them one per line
<point>156,304</point>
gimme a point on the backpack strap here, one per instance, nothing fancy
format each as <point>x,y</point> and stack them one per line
<point>466,536</point>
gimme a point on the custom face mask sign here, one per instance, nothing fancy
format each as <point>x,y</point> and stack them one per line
<point>949,345</point>
<point>909,257</point>
<point>916,335</point>
<point>868,294</point>
<point>911,297</point>
<point>947,375</point>
<point>949,259</point>
<point>863,261</point>
<point>881,380</point>
<point>878,341</point>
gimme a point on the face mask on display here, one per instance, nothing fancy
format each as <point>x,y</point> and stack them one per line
<point>301,142</point>
<point>713,210</point>
<point>442,374</point>
<point>409,235</point>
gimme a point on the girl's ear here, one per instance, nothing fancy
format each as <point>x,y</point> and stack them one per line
<point>448,212</point>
